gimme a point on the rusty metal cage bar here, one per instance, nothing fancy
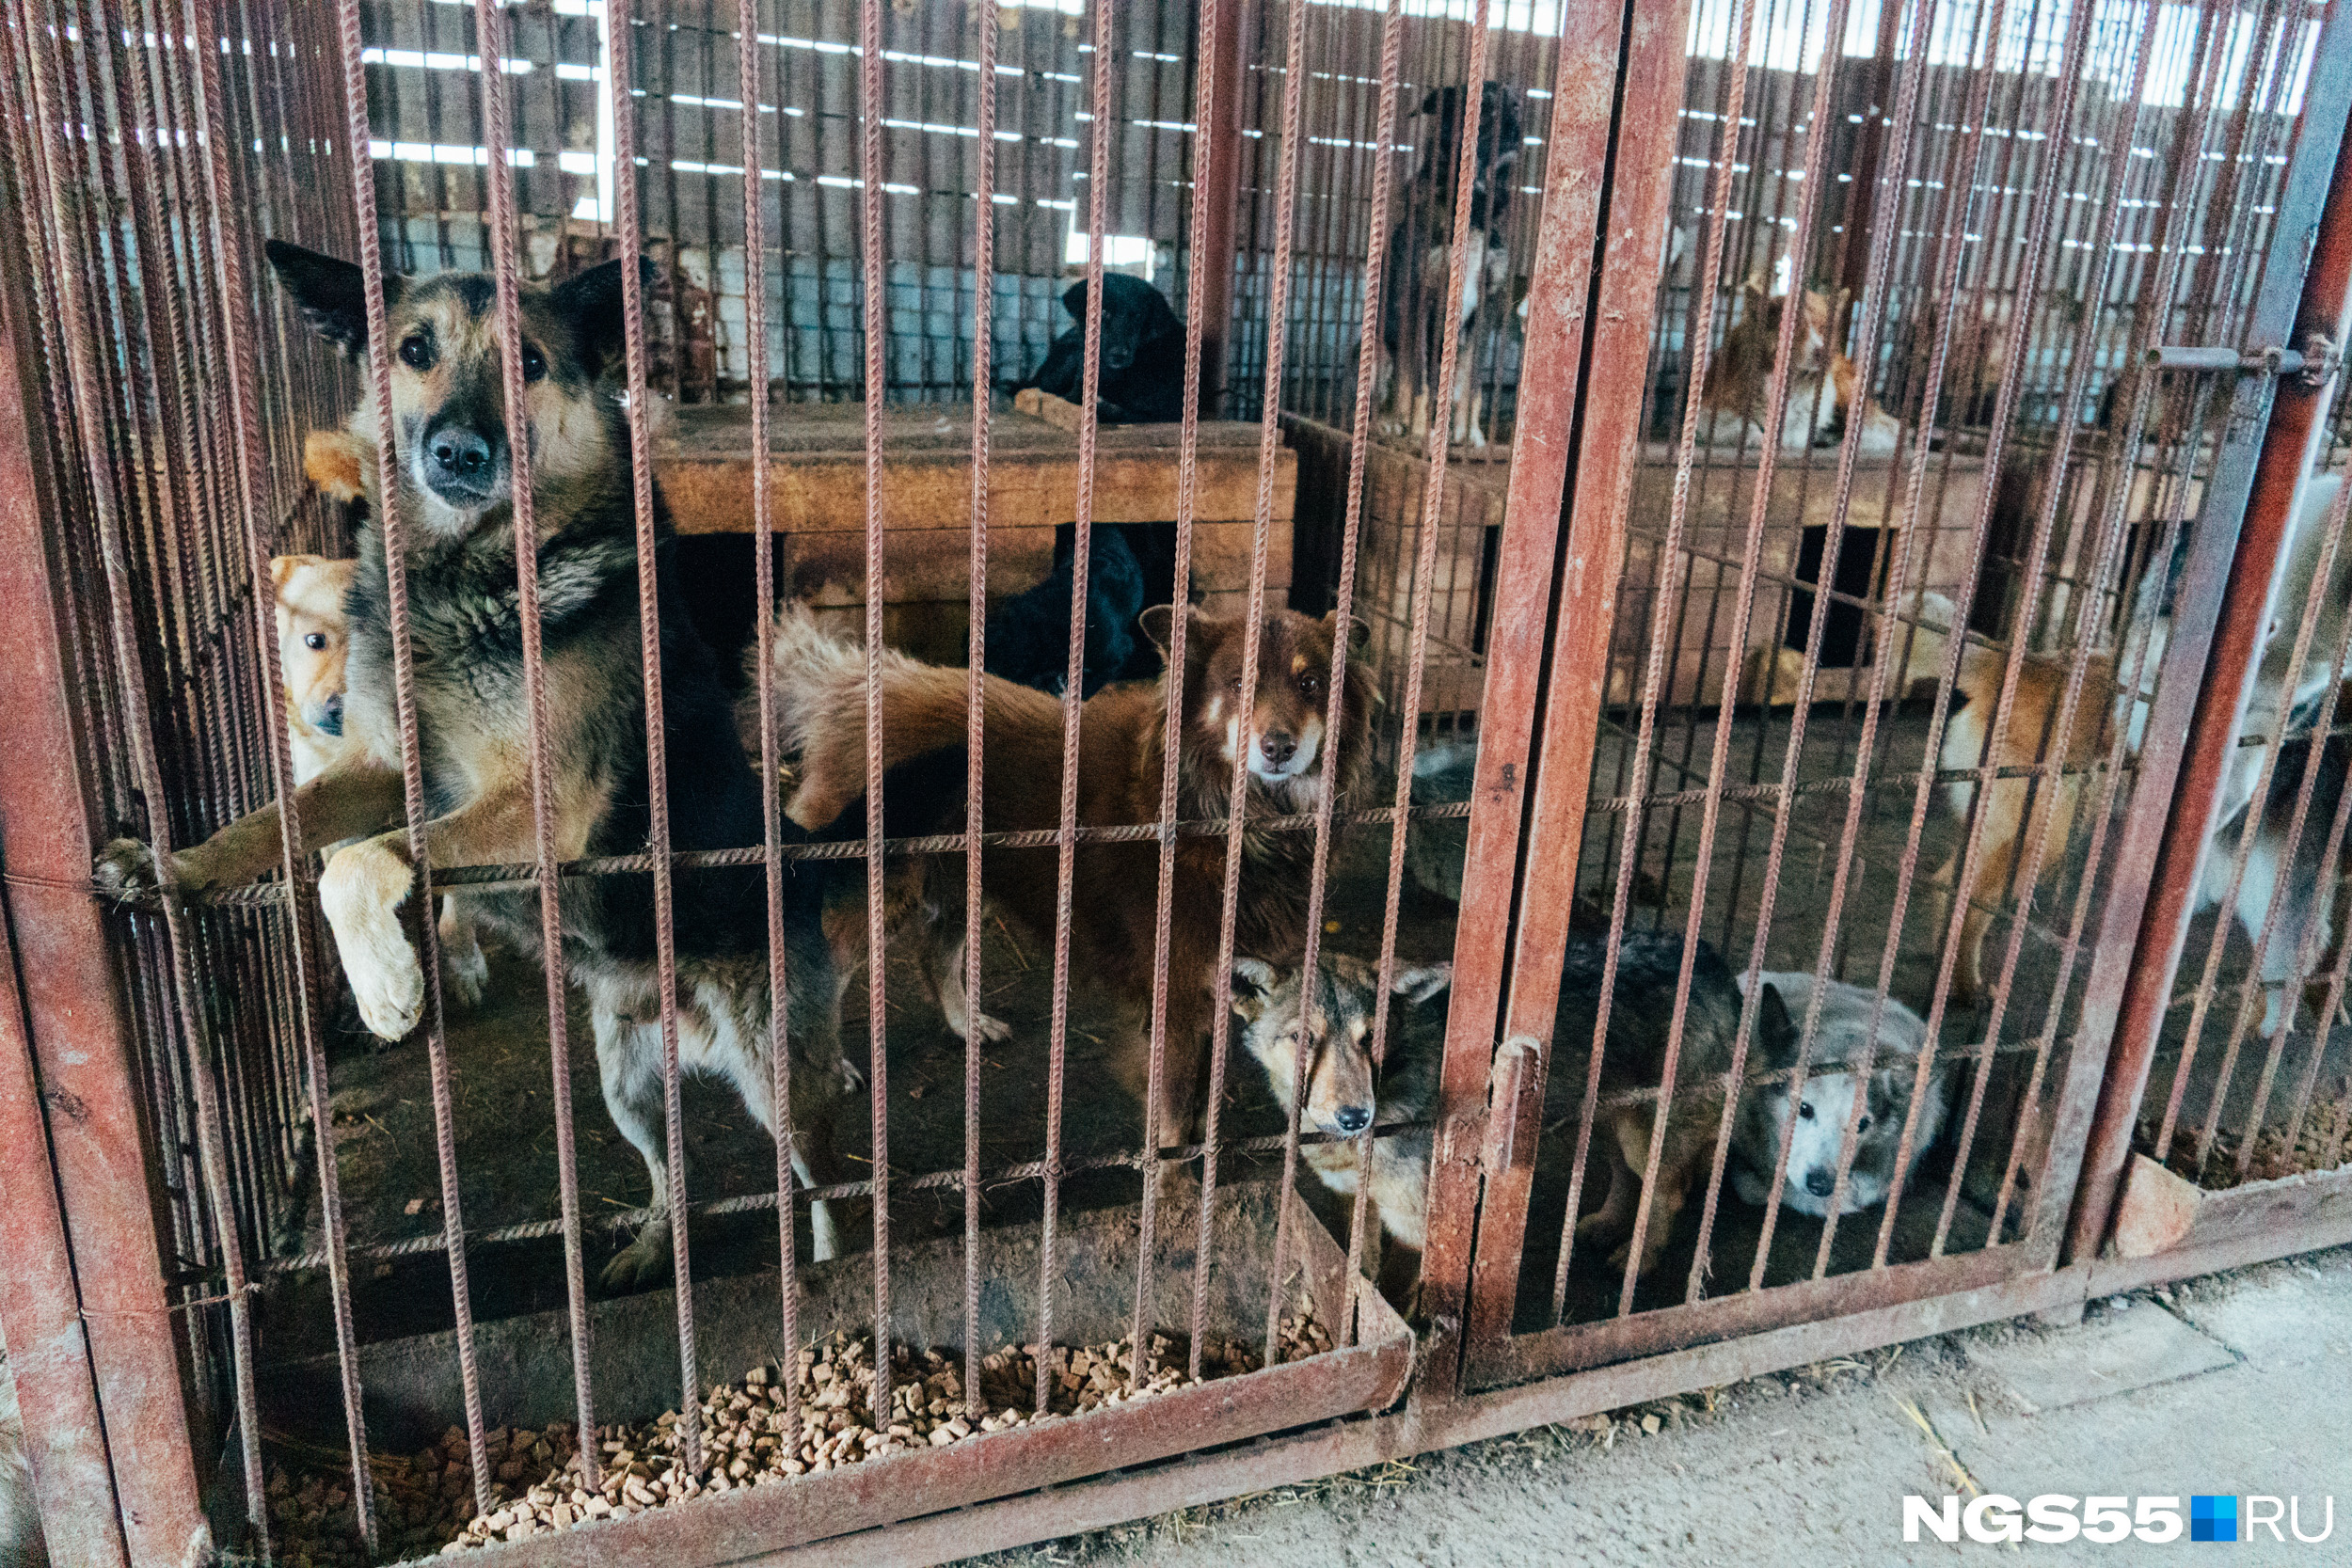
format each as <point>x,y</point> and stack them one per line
<point>178,482</point>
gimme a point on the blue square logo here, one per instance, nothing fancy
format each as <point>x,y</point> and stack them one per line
<point>2211,1518</point>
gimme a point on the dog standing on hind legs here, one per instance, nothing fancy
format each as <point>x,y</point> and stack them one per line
<point>455,472</point>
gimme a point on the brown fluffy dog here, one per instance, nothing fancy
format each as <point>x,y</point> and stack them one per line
<point>820,685</point>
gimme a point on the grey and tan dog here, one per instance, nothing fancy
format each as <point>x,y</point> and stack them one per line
<point>453,457</point>
<point>1344,1095</point>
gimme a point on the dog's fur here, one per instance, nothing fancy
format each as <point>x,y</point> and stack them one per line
<point>1820,1112</point>
<point>1345,1093</point>
<point>1421,247</point>
<point>1028,634</point>
<point>1642,1005</point>
<point>1823,385</point>
<point>1143,355</point>
<point>450,440</point>
<point>313,639</point>
<point>22,1543</point>
<point>1641,1011</point>
<point>2018,811</point>
<point>821,686</point>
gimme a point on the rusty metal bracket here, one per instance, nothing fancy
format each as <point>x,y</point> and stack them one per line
<point>1514,1114</point>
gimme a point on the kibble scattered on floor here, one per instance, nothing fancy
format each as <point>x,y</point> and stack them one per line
<point>754,1432</point>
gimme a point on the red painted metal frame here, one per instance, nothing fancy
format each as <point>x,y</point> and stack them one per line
<point>1556,557</point>
<point>76,1048</point>
<point>2294,438</point>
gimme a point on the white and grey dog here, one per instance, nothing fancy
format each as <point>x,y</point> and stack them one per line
<point>1820,1113</point>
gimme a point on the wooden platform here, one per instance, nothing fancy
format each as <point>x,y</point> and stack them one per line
<point>817,475</point>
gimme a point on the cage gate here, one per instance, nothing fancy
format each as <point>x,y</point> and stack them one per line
<point>1689,764</point>
<point>1751,445</point>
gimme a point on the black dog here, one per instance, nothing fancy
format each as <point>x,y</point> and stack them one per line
<point>1143,354</point>
<point>1130,567</point>
<point>1420,250</point>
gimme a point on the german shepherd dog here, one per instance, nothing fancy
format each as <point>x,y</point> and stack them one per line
<point>820,686</point>
<point>1420,250</point>
<point>450,443</point>
<point>1342,1075</point>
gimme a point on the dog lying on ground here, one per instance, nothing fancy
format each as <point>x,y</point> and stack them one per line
<point>1344,1094</point>
<point>1143,355</point>
<point>1823,387</point>
<point>1279,729</point>
<point>453,467</point>
<point>1420,251</point>
<point>1820,1112</point>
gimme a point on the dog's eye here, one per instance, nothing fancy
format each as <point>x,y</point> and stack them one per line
<point>1311,684</point>
<point>1804,1109</point>
<point>314,641</point>
<point>534,363</point>
<point>416,352</point>
<point>1865,1126</point>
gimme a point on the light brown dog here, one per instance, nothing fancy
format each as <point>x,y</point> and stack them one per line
<point>313,637</point>
<point>820,683</point>
<point>2017,811</point>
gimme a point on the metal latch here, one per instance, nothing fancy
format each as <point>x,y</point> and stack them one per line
<point>2254,361</point>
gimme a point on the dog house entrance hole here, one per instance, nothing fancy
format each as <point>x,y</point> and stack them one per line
<point>1841,633</point>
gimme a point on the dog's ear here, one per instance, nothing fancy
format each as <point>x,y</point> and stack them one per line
<point>1074,299</point>
<point>1159,624</point>
<point>1253,987</point>
<point>1430,101</point>
<point>1420,984</point>
<point>330,293</point>
<point>283,567</point>
<point>1775,1031</point>
<point>1358,630</point>
<point>593,303</point>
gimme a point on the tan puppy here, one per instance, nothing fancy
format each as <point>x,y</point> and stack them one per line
<point>313,637</point>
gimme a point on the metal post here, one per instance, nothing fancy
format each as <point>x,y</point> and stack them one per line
<point>2269,486</point>
<point>1216,162</point>
<point>83,1060</point>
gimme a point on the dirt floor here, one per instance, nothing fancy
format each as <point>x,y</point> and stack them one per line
<point>2233,1385</point>
<point>503,1126</point>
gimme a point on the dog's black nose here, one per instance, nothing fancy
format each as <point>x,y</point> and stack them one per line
<point>1278,747</point>
<point>1352,1118</point>
<point>331,714</point>
<point>461,454</point>
<point>1819,1182</point>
